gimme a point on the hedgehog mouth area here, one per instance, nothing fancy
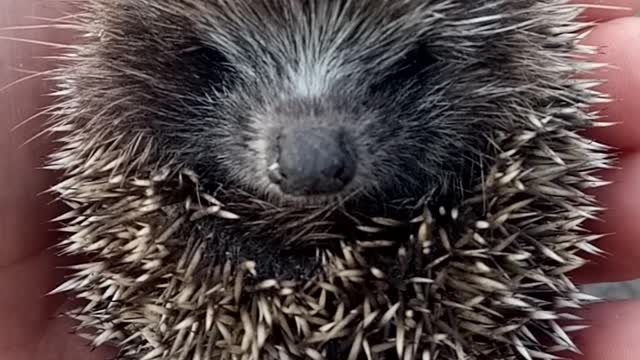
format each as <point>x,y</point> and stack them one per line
<point>306,201</point>
<point>291,242</point>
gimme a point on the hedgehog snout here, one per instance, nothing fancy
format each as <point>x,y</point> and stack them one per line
<point>312,161</point>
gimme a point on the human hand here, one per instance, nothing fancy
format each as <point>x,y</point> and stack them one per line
<point>615,331</point>
<point>29,328</point>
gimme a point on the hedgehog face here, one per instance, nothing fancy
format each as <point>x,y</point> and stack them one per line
<point>309,101</point>
<point>302,116</point>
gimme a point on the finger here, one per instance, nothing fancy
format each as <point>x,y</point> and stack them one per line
<point>600,10</point>
<point>26,270</point>
<point>620,42</point>
<point>24,213</point>
<point>65,345</point>
<point>613,334</point>
<point>622,200</point>
<point>23,306</point>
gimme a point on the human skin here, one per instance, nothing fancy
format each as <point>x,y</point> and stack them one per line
<point>29,326</point>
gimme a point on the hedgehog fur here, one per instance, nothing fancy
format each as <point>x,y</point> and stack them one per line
<point>483,173</point>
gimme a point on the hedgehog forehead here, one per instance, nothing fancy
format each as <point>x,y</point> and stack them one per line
<point>318,25</point>
<point>341,53</point>
<point>322,35</point>
<point>311,43</point>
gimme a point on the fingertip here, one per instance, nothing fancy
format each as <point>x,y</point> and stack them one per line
<point>622,202</point>
<point>619,44</point>
<point>613,333</point>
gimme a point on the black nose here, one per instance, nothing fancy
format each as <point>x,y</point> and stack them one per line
<point>313,161</point>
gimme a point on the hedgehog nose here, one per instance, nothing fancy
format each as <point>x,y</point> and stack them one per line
<point>313,161</point>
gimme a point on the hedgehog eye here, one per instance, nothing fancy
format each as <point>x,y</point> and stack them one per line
<point>419,57</point>
<point>414,62</point>
<point>211,68</point>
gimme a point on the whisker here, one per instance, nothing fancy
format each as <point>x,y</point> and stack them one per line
<point>58,19</point>
<point>25,71</point>
<point>33,138</point>
<point>30,118</point>
<point>37,27</point>
<point>603,7</point>
<point>39,42</point>
<point>25,78</point>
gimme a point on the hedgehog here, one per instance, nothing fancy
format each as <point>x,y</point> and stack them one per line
<point>348,179</point>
